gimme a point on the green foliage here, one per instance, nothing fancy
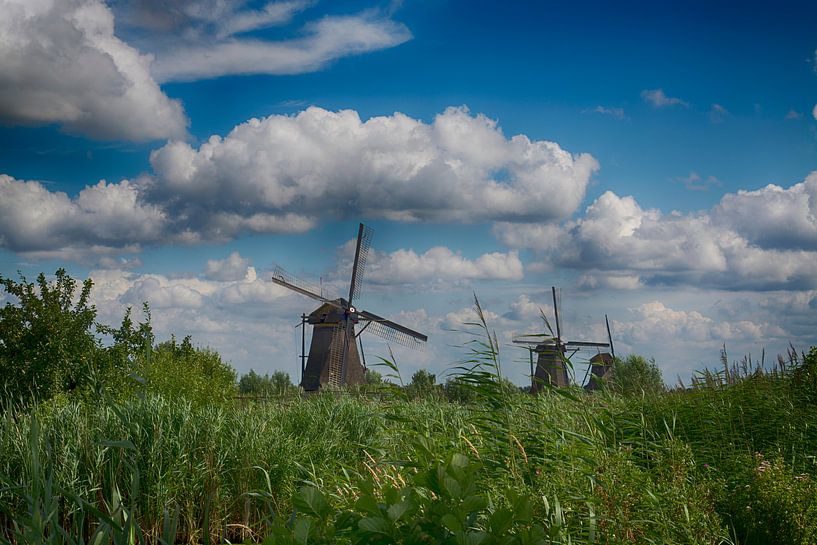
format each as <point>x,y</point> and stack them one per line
<point>635,375</point>
<point>253,384</point>
<point>372,378</point>
<point>768,503</point>
<point>422,385</point>
<point>118,361</point>
<point>443,506</point>
<point>182,371</point>
<point>46,342</point>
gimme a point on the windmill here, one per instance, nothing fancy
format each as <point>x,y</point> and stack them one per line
<point>334,358</point>
<point>552,354</point>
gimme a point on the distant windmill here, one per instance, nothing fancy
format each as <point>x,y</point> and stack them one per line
<point>333,355</point>
<point>552,353</point>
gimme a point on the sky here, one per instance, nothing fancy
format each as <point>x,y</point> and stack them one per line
<point>657,162</point>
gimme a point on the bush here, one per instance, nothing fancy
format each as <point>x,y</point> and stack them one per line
<point>635,374</point>
<point>46,342</point>
<point>183,371</point>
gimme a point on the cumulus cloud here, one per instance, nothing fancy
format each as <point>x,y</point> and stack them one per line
<point>792,115</point>
<point>103,217</point>
<point>282,174</point>
<point>814,112</point>
<point>60,62</point>
<point>654,322</point>
<point>321,163</point>
<point>523,308</point>
<point>234,267</point>
<point>659,99</point>
<point>441,265</point>
<point>764,239</point>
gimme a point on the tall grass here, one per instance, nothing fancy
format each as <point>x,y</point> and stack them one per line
<point>596,468</point>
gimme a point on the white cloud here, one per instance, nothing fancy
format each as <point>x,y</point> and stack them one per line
<point>234,267</point>
<point>792,114</point>
<point>525,309</point>
<point>103,217</point>
<point>441,265</point>
<point>773,216</point>
<point>814,112</point>
<point>654,322</point>
<point>658,99</point>
<point>326,40</point>
<point>320,163</point>
<point>60,62</point>
<point>281,174</point>
<point>760,239</point>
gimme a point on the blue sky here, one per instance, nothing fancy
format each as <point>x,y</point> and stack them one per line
<point>655,162</point>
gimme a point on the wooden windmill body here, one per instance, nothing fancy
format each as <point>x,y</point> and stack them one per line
<point>334,359</point>
<point>553,353</point>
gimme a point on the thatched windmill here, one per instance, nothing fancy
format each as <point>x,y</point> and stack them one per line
<point>333,355</point>
<point>553,353</point>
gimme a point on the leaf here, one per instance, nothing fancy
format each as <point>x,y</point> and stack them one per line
<point>451,522</point>
<point>500,521</point>
<point>302,530</point>
<point>474,503</point>
<point>374,525</point>
<point>310,500</point>
<point>368,504</point>
<point>398,510</point>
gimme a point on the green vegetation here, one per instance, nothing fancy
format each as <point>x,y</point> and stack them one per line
<point>145,443</point>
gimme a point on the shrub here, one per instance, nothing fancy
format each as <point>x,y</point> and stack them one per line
<point>635,374</point>
<point>182,371</point>
<point>46,342</point>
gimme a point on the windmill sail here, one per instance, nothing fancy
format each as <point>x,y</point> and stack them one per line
<point>283,278</point>
<point>364,242</point>
<point>392,331</point>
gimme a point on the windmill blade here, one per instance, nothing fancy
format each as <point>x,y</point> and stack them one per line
<point>580,344</point>
<point>392,331</point>
<point>364,242</point>
<point>610,337</point>
<point>283,278</point>
<point>556,305</point>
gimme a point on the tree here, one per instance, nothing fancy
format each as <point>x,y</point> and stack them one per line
<point>280,382</point>
<point>256,385</point>
<point>635,374</point>
<point>423,384</point>
<point>46,342</point>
